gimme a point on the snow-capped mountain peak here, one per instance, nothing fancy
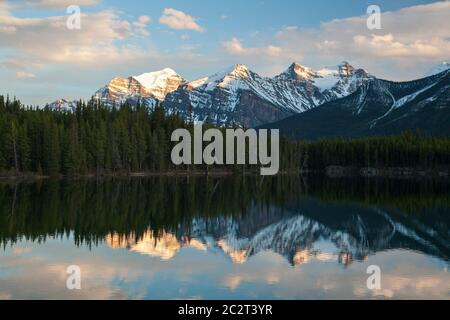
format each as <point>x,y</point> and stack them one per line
<point>149,79</point>
<point>148,88</point>
<point>340,81</point>
<point>239,95</point>
<point>298,72</point>
<point>222,79</point>
<point>378,107</point>
<point>160,83</point>
<point>345,69</point>
<point>441,67</point>
<point>239,70</point>
<point>63,105</point>
<point>236,95</point>
<point>235,71</point>
<point>334,82</point>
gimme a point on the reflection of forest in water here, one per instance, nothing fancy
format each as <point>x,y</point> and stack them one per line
<point>239,216</point>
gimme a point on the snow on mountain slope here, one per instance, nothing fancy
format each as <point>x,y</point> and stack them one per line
<point>378,107</point>
<point>230,81</point>
<point>160,83</point>
<point>121,90</point>
<point>401,102</point>
<point>239,95</point>
<point>333,83</point>
<point>445,65</point>
<point>298,72</point>
<point>63,105</point>
<point>341,82</point>
<point>236,95</point>
<point>148,88</point>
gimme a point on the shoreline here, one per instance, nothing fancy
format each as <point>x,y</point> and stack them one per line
<point>386,172</point>
<point>329,172</point>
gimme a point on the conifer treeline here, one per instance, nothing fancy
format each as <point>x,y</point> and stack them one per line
<point>408,150</point>
<point>96,140</point>
<point>93,139</point>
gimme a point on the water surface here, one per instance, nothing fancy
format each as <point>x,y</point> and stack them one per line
<point>225,238</point>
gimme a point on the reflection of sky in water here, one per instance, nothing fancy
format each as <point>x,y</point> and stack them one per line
<point>221,245</point>
<point>169,270</point>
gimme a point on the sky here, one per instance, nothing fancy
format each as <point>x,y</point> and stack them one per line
<point>41,59</point>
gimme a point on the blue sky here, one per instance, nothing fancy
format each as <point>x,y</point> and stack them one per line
<point>40,60</point>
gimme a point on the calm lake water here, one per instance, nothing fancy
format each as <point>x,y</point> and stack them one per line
<point>225,238</point>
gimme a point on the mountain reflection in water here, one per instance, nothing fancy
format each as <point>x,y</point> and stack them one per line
<point>303,221</point>
<point>298,238</point>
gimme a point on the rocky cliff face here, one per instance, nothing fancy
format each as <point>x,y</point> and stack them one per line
<point>148,88</point>
<point>240,96</point>
<point>378,107</point>
<point>237,95</point>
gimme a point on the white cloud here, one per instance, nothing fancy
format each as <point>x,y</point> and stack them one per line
<point>142,22</point>
<point>47,40</point>
<point>388,46</point>
<point>4,9</point>
<point>410,41</point>
<point>84,59</point>
<point>18,63</point>
<point>25,75</point>
<point>291,28</point>
<point>235,47</point>
<point>179,20</point>
<point>141,25</point>
<point>58,4</point>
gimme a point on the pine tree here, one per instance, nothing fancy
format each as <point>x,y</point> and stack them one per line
<point>24,149</point>
<point>13,146</point>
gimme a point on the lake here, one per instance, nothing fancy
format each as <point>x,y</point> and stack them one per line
<point>284,237</point>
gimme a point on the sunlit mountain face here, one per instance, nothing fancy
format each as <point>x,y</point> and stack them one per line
<point>235,95</point>
<point>164,246</point>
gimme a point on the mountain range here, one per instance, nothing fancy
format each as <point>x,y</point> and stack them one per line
<point>378,107</point>
<point>335,101</point>
<point>241,96</point>
<point>236,95</point>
